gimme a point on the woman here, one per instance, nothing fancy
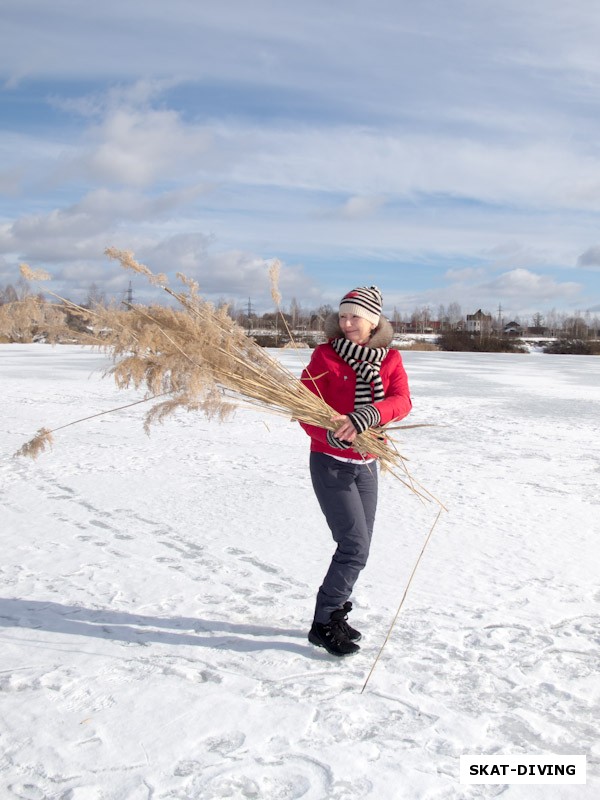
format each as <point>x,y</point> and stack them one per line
<point>364,381</point>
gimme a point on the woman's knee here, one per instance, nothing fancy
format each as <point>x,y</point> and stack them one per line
<point>353,549</point>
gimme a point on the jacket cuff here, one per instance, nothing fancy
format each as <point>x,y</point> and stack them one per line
<point>365,417</point>
<point>333,441</point>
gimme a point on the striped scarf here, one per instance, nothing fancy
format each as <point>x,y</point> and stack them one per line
<point>366,363</point>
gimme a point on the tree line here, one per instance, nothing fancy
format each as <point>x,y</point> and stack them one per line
<point>23,316</point>
<point>423,319</point>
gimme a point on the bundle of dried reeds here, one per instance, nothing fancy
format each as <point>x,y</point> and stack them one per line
<point>199,358</point>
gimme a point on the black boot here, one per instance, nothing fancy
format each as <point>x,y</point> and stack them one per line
<point>353,634</point>
<point>333,635</point>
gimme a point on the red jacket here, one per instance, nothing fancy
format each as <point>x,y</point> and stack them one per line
<point>336,382</point>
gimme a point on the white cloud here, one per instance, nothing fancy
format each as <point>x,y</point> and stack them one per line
<point>231,274</point>
<point>10,180</point>
<point>88,226</point>
<point>117,206</point>
<point>466,274</point>
<point>524,285</point>
<point>358,207</point>
<point>516,292</point>
<point>138,94</point>
<point>590,259</point>
<point>136,148</point>
<point>398,164</point>
<point>146,148</point>
<point>185,253</point>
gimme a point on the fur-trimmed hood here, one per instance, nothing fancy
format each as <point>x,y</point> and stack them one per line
<point>381,337</point>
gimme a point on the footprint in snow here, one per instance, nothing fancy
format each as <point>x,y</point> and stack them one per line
<point>285,778</point>
<point>27,791</point>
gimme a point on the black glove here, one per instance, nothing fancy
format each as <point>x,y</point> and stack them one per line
<point>333,441</point>
<point>364,417</point>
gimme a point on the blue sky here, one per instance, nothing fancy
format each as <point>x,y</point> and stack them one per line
<point>448,151</point>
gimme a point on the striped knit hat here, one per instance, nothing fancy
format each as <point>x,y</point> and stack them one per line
<point>366,302</point>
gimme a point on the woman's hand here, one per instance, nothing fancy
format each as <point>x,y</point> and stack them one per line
<point>346,431</point>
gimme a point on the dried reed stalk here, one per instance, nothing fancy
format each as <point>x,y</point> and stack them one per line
<point>404,595</point>
<point>44,440</point>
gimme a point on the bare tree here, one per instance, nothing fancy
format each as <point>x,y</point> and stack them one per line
<point>537,320</point>
<point>95,297</point>
<point>8,294</point>
<point>552,322</point>
<point>295,312</point>
<point>23,288</point>
<point>442,316</point>
<point>575,326</point>
<point>455,314</point>
<point>325,310</point>
<point>421,318</point>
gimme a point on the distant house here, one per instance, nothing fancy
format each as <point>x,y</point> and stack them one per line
<point>537,330</point>
<point>479,322</point>
<point>512,329</point>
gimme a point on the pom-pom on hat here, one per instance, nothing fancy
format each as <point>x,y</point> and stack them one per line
<point>366,302</point>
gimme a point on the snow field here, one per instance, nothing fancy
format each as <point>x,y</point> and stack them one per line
<point>156,593</point>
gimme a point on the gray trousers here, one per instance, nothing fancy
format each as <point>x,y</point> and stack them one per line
<point>347,494</point>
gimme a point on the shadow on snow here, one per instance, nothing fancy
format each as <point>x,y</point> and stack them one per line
<point>121,626</point>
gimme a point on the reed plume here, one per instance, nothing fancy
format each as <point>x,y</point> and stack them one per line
<point>40,442</point>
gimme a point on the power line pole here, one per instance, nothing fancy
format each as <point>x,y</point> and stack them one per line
<point>249,312</point>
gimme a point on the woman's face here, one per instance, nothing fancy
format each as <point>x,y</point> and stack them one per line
<point>357,329</point>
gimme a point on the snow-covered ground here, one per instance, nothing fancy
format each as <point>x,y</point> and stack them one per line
<point>156,593</point>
